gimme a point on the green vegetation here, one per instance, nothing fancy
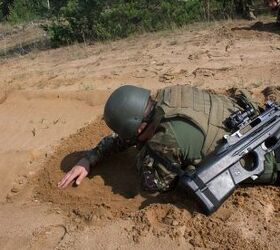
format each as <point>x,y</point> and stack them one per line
<point>22,11</point>
<point>91,20</point>
<point>18,11</point>
<point>99,20</point>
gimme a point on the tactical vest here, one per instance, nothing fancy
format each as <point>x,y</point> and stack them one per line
<point>207,111</point>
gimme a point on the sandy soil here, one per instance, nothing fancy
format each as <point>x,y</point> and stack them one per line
<point>50,108</point>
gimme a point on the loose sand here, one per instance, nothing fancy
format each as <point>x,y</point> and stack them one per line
<point>50,112</point>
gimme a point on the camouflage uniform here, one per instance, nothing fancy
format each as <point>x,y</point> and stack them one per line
<point>189,125</point>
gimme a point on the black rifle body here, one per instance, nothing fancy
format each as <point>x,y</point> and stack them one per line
<point>218,175</point>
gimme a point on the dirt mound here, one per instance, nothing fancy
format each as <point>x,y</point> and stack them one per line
<point>110,190</point>
<point>250,215</point>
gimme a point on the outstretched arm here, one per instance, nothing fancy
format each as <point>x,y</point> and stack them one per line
<point>108,145</point>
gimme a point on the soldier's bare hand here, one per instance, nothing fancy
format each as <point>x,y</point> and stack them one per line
<point>78,172</point>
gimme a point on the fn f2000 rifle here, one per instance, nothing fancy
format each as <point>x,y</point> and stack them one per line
<point>217,176</point>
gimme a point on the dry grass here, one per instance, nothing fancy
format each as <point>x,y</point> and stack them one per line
<point>21,39</point>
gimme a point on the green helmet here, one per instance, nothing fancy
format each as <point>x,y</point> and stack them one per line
<point>124,110</point>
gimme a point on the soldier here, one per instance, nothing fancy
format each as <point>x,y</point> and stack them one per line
<point>245,8</point>
<point>180,123</point>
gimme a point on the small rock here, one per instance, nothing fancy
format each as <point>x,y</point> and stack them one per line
<point>160,64</point>
<point>192,242</point>
<point>31,173</point>
<point>9,198</point>
<point>175,223</point>
<point>168,221</point>
<point>166,77</point>
<point>182,230</point>
<point>14,190</point>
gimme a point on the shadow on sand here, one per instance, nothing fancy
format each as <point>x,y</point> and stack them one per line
<point>119,172</point>
<point>260,26</point>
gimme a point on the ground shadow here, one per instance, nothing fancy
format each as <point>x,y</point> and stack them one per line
<point>71,160</point>
<point>119,172</point>
<point>178,197</point>
<point>260,26</point>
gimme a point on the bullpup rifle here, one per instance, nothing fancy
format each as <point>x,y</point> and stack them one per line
<point>217,176</point>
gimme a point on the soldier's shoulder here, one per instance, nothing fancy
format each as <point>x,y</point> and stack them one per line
<point>164,139</point>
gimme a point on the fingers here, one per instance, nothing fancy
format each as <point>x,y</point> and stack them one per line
<point>81,177</point>
<point>63,180</point>
<point>68,178</point>
<point>79,171</point>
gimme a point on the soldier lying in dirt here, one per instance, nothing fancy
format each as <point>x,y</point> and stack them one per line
<point>181,124</point>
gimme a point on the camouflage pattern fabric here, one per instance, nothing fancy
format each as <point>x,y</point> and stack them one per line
<point>108,145</point>
<point>154,175</point>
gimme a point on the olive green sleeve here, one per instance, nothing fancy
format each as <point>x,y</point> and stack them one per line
<point>107,146</point>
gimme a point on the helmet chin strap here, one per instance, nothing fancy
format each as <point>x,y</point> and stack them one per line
<point>147,133</point>
<point>150,111</point>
